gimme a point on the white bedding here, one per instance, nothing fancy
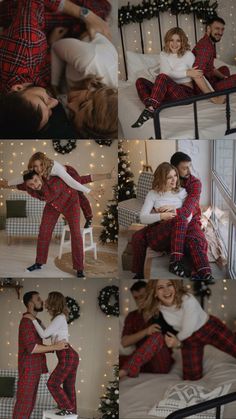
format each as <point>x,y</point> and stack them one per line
<point>139,395</point>
<point>176,123</point>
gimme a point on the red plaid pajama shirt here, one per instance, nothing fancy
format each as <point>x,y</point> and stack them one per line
<point>205,53</point>
<point>176,235</point>
<point>214,333</point>
<point>30,367</point>
<point>151,354</point>
<point>24,54</point>
<point>61,383</point>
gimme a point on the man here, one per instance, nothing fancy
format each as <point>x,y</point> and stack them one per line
<point>205,52</point>
<point>144,334</point>
<point>31,358</point>
<point>177,230</point>
<point>26,106</point>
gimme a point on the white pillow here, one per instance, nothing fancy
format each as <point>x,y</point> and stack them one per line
<point>130,349</point>
<point>184,395</point>
<point>142,65</point>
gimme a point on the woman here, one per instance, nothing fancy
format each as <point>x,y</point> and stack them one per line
<point>61,383</point>
<point>195,328</point>
<point>176,77</point>
<point>166,230</point>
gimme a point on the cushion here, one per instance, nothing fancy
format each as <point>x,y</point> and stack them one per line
<point>142,65</point>
<point>7,386</point>
<point>16,208</point>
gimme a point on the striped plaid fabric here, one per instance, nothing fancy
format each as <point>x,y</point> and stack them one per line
<point>29,225</point>
<point>129,210</point>
<point>44,399</point>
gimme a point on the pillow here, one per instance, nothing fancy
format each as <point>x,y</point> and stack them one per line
<point>130,349</point>
<point>142,65</point>
<point>7,386</point>
<point>184,395</point>
<point>16,208</point>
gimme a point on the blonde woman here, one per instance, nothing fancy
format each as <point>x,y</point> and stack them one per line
<point>61,383</point>
<point>166,230</point>
<point>176,79</point>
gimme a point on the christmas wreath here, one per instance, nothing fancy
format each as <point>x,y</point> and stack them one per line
<point>109,307</point>
<point>104,142</point>
<point>66,148</point>
<point>74,309</point>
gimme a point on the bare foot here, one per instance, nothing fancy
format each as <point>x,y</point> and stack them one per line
<point>122,374</point>
<point>56,34</point>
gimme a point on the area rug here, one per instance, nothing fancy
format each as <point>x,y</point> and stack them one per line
<point>104,267</point>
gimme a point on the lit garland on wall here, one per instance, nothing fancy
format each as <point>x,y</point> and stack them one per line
<point>152,8</point>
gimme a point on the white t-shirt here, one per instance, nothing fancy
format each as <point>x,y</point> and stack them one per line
<point>82,58</point>
<point>157,199</point>
<point>176,67</point>
<point>187,319</point>
<point>57,330</point>
<point>57,170</point>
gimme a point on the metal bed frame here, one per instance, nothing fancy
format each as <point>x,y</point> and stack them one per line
<point>195,99</point>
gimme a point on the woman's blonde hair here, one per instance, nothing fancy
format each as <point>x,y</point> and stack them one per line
<point>185,46</point>
<point>151,304</point>
<point>160,177</point>
<point>46,162</point>
<point>56,304</point>
<point>100,110</point>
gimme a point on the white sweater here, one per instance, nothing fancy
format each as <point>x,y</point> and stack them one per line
<point>187,319</point>
<point>176,67</point>
<point>157,199</point>
<point>57,330</point>
<point>82,58</point>
<point>57,170</point>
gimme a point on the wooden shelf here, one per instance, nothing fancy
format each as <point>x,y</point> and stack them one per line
<point>17,287</point>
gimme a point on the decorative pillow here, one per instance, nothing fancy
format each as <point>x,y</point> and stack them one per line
<point>16,208</point>
<point>184,395</point>
<point>7,386</point>
<point>130,349</point>
<point>142,65</point>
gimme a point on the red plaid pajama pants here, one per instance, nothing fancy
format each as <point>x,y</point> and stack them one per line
<point>85,206</point>
<point>64,375</point>
<point>163,90</point>
<point>214,333</point>
<point>48,222</point>
<point>152,356</point>
<point>221,84</point>
<point>26,395</point>
<point>176,235</point>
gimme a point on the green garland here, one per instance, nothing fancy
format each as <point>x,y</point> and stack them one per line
<point>64,149</point>
<point>151,8</point>
<point>104,142</point>
<point>104,300</point>
<point>74,309</point>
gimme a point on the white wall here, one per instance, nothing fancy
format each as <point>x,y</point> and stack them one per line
<point>92,335</point>
<point>88,157</point>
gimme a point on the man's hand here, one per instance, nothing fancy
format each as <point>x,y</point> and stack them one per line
<point>4,184</point>
<point>167,208</point>
<point>29,316</point>
<point>165,216</point>
<point>59,346</point>
<point>154,328</point>
<point>95,24</point>
<point>171,341</point>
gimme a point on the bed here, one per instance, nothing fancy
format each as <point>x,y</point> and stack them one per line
<point>140,396</point>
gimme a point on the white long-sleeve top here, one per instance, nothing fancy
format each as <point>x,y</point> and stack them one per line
<point>187,319</point>
<point>82,58</point>
<point>57,170</point>
<point>157,199</point>
<point>57,330</point>
<point>176,67</point>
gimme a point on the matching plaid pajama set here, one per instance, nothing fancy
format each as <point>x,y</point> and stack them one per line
<point>177,235</point>
<point>24,54</point>
<point>60,199</point>
<point>30,367</point>
<point>151,354</point>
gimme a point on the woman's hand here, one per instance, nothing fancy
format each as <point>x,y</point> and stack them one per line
<point>218,100</point>
<point>167,208</point>
<point>165,216</point>
<point>194,73</point>
<point>95,24</point>
<point>29,316</point>
<point>154,328</point>
<point>172,341</point>
<point>96,194</point>
<point>59,346</point>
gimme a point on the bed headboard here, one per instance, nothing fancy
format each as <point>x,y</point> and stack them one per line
<point>142,26</point>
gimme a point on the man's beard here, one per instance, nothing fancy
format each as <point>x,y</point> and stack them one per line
<point>38,310</point>
<point>214,39</point>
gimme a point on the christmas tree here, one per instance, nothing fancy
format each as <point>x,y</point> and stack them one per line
<point>110,221</point>
<point>109,406</point>
<point>126,186</point>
